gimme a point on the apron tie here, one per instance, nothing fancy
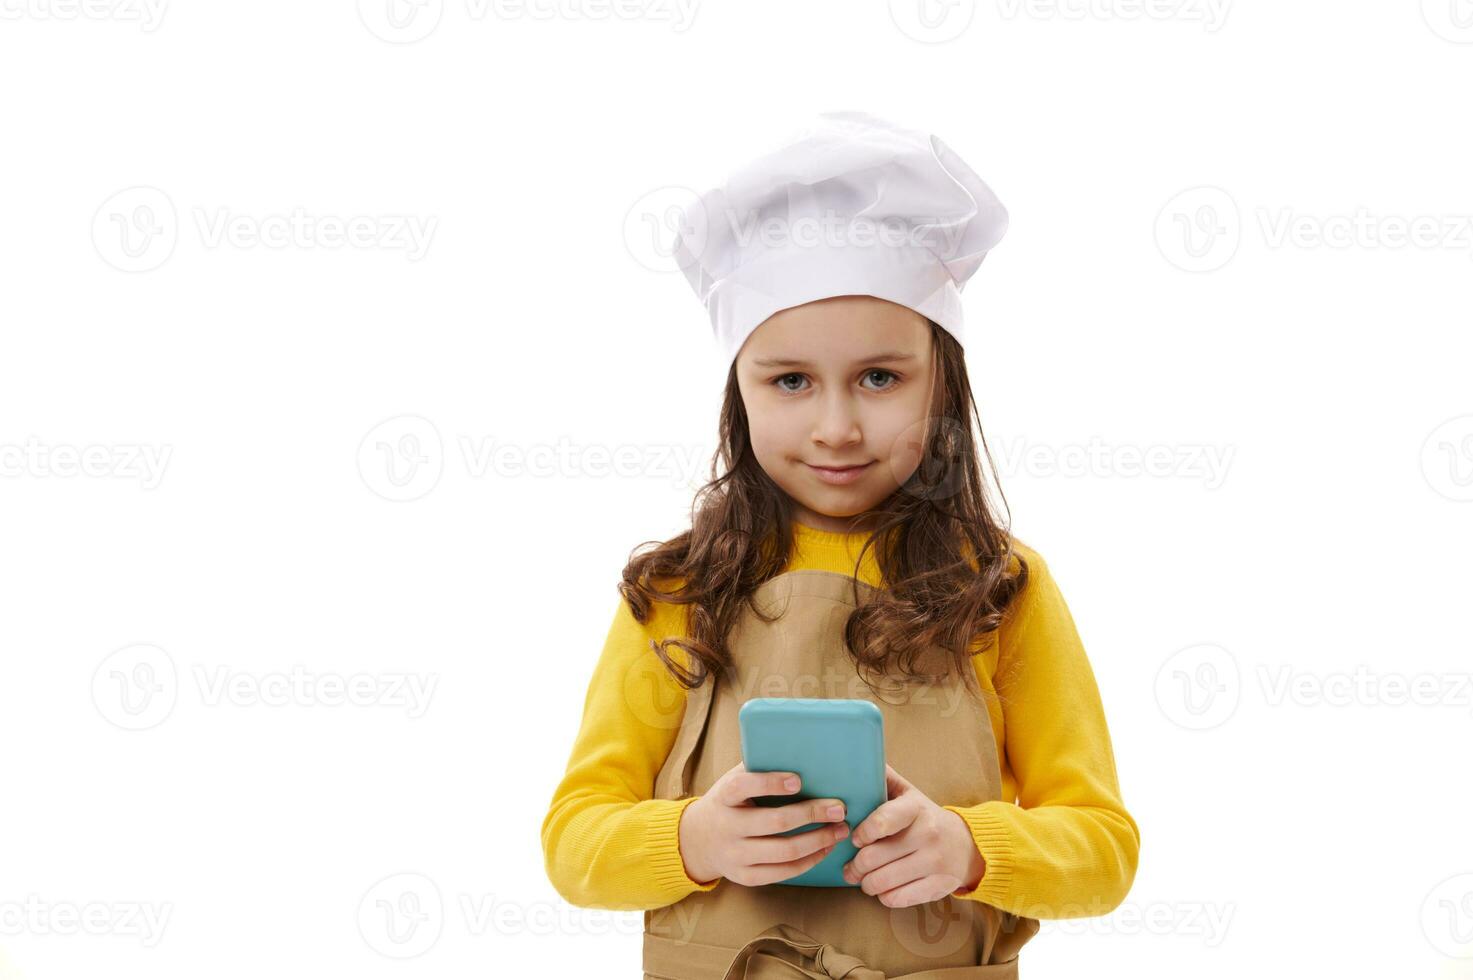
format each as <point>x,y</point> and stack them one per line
<point>793,954</point>
<point>781,952</point>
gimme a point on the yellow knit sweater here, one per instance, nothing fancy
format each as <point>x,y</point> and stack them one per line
<point>1059,844</point>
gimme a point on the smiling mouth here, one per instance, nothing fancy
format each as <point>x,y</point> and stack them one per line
<point>839,474</point>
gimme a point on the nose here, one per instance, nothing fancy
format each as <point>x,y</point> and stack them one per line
<point>838,421</point>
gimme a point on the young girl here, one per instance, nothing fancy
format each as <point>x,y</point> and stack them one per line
<point>846,549</point>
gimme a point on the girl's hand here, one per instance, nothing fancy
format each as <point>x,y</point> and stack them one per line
<point>911,850</point>
<point>723,834</point>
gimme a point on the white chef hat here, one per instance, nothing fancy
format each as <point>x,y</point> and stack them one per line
<point>849,204</point>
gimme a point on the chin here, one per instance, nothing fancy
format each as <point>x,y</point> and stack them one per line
<point>840,505</point>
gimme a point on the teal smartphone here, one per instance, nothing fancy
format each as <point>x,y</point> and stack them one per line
<point>837,748</point>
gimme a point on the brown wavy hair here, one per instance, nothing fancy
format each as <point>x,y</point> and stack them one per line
<point>935,595</point>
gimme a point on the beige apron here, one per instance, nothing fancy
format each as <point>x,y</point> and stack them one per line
<point>938,735</point>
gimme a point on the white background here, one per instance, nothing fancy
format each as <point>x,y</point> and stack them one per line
<point>293,392</point>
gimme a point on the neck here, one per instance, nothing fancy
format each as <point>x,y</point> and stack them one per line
<point>859,524</point>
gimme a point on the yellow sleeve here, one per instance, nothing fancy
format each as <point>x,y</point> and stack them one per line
<point>606,842</point>
<point>1067,848</point>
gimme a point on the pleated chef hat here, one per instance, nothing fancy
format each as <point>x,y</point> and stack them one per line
<point>849,204</point>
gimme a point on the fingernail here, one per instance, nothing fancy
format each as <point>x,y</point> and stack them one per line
<point>835,812</point>
<point>790,783</point>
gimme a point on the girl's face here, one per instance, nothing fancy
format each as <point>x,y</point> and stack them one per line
<point>839,382</point>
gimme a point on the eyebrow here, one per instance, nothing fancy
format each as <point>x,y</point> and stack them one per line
<point>889,355</point>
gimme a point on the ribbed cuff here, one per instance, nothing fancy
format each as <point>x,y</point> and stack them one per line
<point>996,845</point>
<point>664,846</point>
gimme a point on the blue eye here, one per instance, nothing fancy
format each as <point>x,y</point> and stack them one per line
<point>890,374</point>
